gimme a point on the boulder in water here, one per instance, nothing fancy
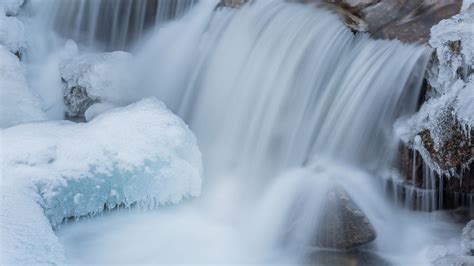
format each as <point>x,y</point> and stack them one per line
<point>343,225</point>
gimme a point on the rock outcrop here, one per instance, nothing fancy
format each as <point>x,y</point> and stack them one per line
<point>406,20</point>
<point>343,225</point>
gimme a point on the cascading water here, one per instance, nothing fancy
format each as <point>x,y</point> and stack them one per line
<point>110,24</point>
<point>286,103</point>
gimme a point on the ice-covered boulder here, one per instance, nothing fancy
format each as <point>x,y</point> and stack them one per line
<point>444,125</point>
<point>139,154</point>
<point>18,103</point>
<point>94,78</point>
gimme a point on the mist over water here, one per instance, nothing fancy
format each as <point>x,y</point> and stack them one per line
<point>285,101</point>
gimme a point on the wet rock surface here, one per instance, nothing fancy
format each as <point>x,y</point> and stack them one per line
<point>406,20</point>
<point>343,225</point>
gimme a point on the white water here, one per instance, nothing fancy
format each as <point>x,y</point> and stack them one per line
<point>285,102</point>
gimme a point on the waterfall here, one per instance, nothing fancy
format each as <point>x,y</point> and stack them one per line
<point>277,85</point>
<point>110,24</point>
<point>285,101</point>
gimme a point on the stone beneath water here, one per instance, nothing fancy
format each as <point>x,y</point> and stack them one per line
<point>343,225</point>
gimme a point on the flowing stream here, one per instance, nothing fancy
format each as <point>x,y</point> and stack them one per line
<point>286,102</point>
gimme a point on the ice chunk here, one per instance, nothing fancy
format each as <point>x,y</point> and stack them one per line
<point>92,78</point>
<point>18,103</point>
<point>139,154</point>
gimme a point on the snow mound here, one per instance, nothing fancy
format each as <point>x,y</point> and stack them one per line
<point>92,78</point>
<point>18,104</point>
<point>12,33</point>
<point>140,154</point>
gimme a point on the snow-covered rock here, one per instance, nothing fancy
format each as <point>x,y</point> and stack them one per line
<point>12,33</point>
<point>18,103</point>
<point>10,7</point>
<point>467,238</point>
<point>139,154</point>
<point>93,78</point>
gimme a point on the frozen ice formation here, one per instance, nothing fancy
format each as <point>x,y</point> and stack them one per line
<point>141,154</point>
<point>449,108</point>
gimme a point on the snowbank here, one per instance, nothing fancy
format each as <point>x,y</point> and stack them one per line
<point>18,104</point>
<point>92,78</point>
<point>141,154</point>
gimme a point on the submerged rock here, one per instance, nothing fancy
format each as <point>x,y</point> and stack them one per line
<point>343,225</point>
